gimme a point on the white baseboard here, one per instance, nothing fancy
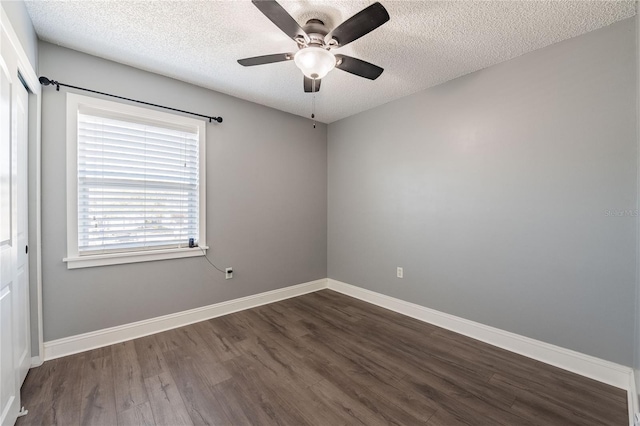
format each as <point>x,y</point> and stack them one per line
<point>36,361</point>
<point>595,368</point>
<point>109,336</point>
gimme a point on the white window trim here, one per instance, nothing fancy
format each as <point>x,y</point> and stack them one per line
<point>73,259</point>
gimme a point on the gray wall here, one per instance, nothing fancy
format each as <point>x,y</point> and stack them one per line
<point>266,204</point>
<point>21,23</point>
<point>492,191</point>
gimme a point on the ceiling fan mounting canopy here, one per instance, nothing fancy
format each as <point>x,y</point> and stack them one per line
<point>316,30</point>
<point>315,41</point>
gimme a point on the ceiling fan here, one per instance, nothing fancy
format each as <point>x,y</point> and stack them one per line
<point>315,42</point>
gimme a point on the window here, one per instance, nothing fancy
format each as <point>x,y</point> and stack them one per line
<point>135,184</point>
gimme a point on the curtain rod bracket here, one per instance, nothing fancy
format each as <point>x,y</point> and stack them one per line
<point>46,82</point>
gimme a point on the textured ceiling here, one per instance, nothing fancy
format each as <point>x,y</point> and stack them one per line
<point>425,42</point>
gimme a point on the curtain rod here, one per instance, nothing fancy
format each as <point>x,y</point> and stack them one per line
<point>45,82</point>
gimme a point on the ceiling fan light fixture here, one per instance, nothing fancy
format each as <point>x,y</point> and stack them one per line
<point>315,62</point>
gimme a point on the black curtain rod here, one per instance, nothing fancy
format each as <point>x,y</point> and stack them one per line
<point>45,82</point>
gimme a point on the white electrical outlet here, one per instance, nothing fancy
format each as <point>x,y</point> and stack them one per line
<point>228,273</point>
<point>399,272</point>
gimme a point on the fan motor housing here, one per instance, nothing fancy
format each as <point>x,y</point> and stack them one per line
<point>316,30</point>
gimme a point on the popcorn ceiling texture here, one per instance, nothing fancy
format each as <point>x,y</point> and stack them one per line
<point>425,43</point>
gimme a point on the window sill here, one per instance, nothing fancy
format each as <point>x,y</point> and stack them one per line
<point>90,261</point>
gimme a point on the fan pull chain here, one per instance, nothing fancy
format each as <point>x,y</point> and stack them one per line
<point>313,102</point>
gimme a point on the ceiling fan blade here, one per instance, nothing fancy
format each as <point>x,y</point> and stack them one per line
<point>308,84</point>
<point>361,23</point>
<point>276,13</point>
<point>358,67</point>
<point>266,59</point>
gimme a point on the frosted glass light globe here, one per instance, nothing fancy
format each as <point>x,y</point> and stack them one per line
<point>315,62</point>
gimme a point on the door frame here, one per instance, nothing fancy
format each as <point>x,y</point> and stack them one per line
<point>30,78</point>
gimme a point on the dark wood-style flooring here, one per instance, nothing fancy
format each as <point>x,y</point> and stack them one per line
<point>321,359</point>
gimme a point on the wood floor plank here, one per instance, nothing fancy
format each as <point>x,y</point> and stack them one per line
<point>128,381</point>
<point>353,411</point>
<point>549,410</point>
<point>384,316</point>
<point>187,344</point>
<point>527,368</point>
<point>202,406</point>
<point>415,360</point>
<point>452,378</point>
<point>97,353</point>
<point>166,403</point>
<point>444,418</point>
<point>37,386</point>
<point>546,414</point>
<point>588,405</point>
<point>210,370</point>
<point>234,327</point>
<point>456,400</point>
<point>57,403</point>
<point>36,415</point>
<point>37,394</point>
<point>345,376</point>
<point>334,318</point>
<point>281,363</point>
<point>290,387</point>
<point>448,383</point>
<point>384,337</point>
<point>221,347</point>
<point>318,359</point>
<point>356,383</point>
<point>232,404</point>
<point>67,387</point>
<point>98,396</point>
<point>253,404</point>
<point>139,415</point>
<point>178,338</point>
<point>365,374</point>
<point>337,310</point>
<point>275,410</point>
<point>150,356</point>
<point>285,310</point>
<point>314,410</point>
<point>281,321</point>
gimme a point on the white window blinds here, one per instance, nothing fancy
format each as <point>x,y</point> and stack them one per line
<point>137,185</point>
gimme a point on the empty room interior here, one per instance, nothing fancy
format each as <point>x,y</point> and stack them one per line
<point>324,212</point>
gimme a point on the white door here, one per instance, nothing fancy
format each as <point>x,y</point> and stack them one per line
<point>22,338</point>
<point>15,338</point>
